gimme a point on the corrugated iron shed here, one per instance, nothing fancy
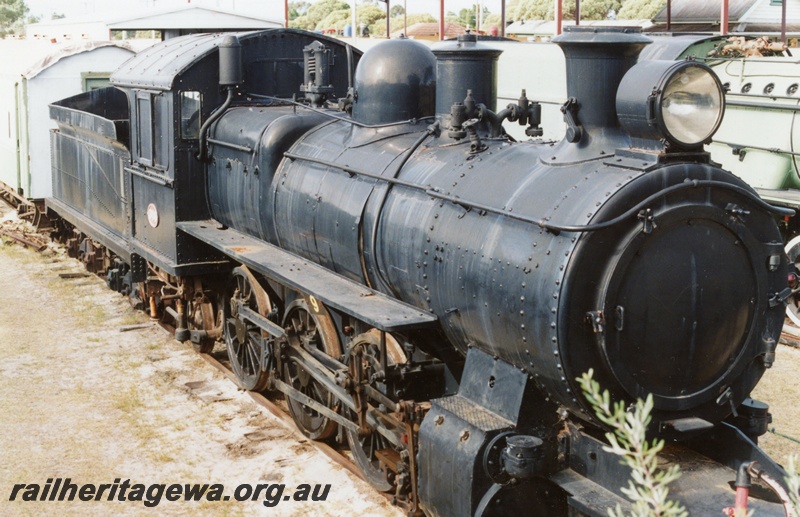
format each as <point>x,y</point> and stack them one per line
<point>692,11</point>
<point>26,59</point>
<point>200,19</point>
<point>761,16</point>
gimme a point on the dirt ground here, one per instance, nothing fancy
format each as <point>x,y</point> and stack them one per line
<point>79,399</point>
<point>781,390</point>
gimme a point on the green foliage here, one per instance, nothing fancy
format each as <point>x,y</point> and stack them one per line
<point>545,9</point>
<point>321,9</point>
<point>316,13</point>
<point>302,22</point>
<point>366,13</point>
<point>597,9</point>
<point>532,10</point>
<point>640,9</point>
<point>335,20</point>
<point>396,23</point>
<point>298,8</point>
<point>466,17</point>
<point>12,11</point>
<point>397,10</point>
<point>793,484</point>
<point>369,14</point>
<point>12,15</point>
<point>647,487</point>
<point>492,19</point>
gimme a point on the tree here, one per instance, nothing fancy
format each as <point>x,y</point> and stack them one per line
<point>397,10</point>
<point>640,9</point>
<point>366,13</point>
<point>316,12</point>
<point>12,14</point>
<point>396,23</point>
<point>466,17</point>
<point>323,8</point>
<point>531,10</point>
<point>597,9</point>
<point>297,9</point>
<point>491,19</point>
<point>545,9</point>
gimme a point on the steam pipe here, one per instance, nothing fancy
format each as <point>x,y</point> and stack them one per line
<point>350,71</point>
<point>201,154</point>
<point>495,120</point>
<point>230,76</point>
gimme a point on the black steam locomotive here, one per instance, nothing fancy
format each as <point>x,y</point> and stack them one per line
<point>366,239</point>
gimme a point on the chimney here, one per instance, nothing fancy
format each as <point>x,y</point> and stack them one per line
<point>596,59</point>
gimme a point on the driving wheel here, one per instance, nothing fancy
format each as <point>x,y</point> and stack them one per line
<point>249,347</point>
<point>310,326</point>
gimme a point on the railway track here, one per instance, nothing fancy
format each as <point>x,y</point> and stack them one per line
<point>36,239</point>
<point>790,335</point>
<point>336,454</point>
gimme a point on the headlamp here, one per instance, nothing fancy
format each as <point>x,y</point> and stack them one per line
<point>680,102</point>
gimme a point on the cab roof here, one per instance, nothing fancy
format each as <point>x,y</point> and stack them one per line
<point>160,66</point>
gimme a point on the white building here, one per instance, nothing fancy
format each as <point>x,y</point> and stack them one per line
<point>34,74</point>
<point>186,19</point>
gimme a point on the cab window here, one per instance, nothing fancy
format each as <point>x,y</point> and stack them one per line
<point>190,115</point>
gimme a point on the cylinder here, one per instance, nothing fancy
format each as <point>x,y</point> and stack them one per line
<point>230,62</point>
<point>596,60</point>
<point>465,65</point>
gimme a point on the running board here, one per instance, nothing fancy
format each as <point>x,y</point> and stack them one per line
<point>372,307</point>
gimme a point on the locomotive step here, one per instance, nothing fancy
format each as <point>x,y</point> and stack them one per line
<point>373,307</point>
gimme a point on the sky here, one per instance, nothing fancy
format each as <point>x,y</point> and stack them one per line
<point>45,8</point>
